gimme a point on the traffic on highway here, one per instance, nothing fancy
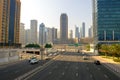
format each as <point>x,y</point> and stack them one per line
<point>58,66</point>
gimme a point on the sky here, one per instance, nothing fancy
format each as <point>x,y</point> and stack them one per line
<point>49,11</point>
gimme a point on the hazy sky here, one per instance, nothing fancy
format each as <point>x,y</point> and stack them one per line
<point>49,11</point>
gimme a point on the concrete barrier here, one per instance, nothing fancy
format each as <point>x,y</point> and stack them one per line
<point>7,56</point>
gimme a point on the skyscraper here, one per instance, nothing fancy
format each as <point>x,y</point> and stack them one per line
<point>63,28</point>
<point>106,20</point>
<point>27,36</point>
<point>77,32</point>
<point>54,34</point>
<point>90,32</point>
<point>42,34</point>
<point>33,27</point>
<point>49,38</point>
<point>9,22</point>
<point>71,34</point>
<point>83,30</point>
<point>22,34</point>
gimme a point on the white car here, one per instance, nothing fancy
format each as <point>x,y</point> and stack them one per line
<point>85,57</point>
<point>33,61</point>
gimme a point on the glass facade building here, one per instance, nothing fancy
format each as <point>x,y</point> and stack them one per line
<point>64,28</point>
<point>9,22</point>
<point>106,20</point>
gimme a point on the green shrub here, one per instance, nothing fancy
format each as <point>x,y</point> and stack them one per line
<point>116,60</point>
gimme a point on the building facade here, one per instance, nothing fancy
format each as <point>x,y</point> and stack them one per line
<point>33,28</point>
<point>49,38</point>
<point>27,36</point>
<point>63,28</point>
<point>71,34</point>
<point>77,32</point>
<point>90,31</point>
<point>106,20</point>
<point>42,34</point>
<point>83,30</point>
<point>54,34</point>
<point>9,22</point>
<point>22,34</point>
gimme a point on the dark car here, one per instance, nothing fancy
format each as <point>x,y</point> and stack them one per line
<point>97,62</point>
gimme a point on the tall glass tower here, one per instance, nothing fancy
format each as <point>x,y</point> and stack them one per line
<point>106,20</point>
<point>64,28</point>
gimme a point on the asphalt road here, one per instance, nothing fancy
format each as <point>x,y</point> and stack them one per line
<point>71,66</point>
<point>14,70</point>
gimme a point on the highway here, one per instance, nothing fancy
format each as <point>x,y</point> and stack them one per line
<point>72,66</point>
<point>14,70</point>
<point>66,66</point>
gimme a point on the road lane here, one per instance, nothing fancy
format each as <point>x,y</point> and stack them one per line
<point>71,66</point>
<point>10,72</point>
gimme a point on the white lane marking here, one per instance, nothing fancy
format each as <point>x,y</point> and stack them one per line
<point>98,68</point>
<point>16,71</point>
<point>91,76</point>
<point>50,72</point>
<point>105,76</point>
<point>56,66</point>
<point>76,74</point>
<point>76,68</point>
<point>87,68</point>
<point>66,67</point>
<point>63,73</point>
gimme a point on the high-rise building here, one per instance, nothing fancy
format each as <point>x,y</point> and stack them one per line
<point>42,34</point>
<point>106,20</point>
<point>83,30</point>
<point>54,34</point>
<point>22,34</point>
<point>90,32</point>
<point>71,34</point>
<point>9,22</point>
<point>33,27</point>
<point>27,36</point>
<point>80,32</point>
<point>49,38</point>
<point>63,28</point>
<point>77,32</point>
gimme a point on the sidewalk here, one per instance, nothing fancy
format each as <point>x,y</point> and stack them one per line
<point>110,64</point>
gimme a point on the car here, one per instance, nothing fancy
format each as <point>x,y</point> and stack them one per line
<point>50,54</point>
<point>85,57</point>
<point>97,62</point>
<point>31,58</point>
<point>47,58</point>
<point>33,61</point>
<point>55,54</point>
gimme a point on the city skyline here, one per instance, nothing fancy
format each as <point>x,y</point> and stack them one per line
<point>48,12</point>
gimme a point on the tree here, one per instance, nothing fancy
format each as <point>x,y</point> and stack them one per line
<point>88,47</point>
<point>117,46</point>
<point>112,50</point>
<point>32,46</point>
<point>104,48</point>
<point>48,45</point>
